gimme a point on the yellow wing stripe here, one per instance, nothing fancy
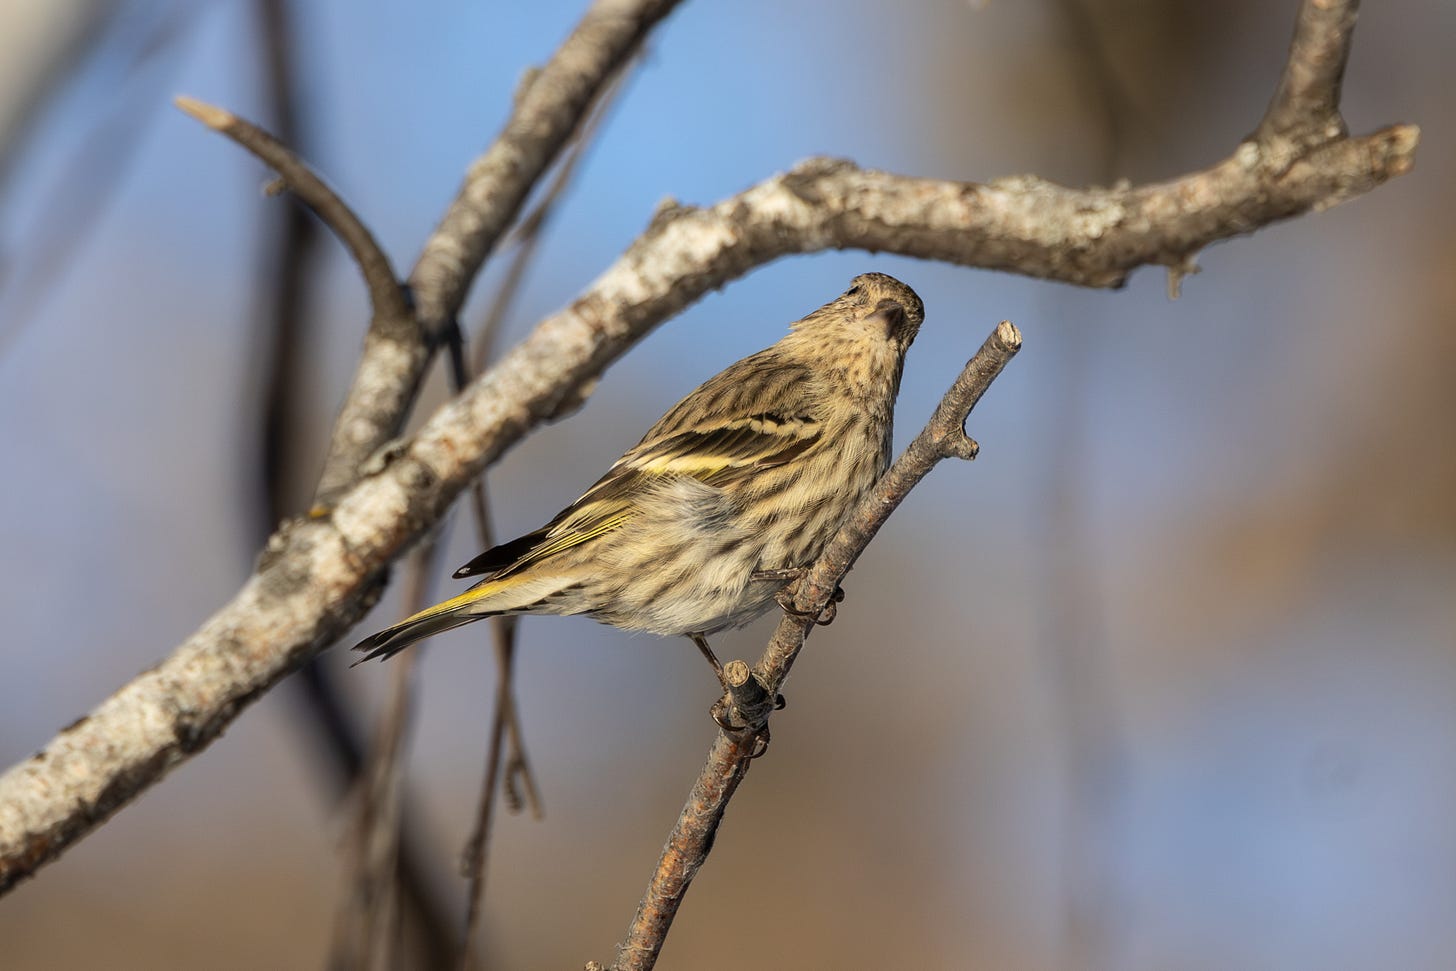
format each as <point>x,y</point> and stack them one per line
<point>688,464</point>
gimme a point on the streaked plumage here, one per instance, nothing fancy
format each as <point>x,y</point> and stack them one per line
<point>753,471</point>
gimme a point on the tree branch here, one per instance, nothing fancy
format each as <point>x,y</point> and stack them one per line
<point>1308,97</point>
<point>316,577</point>
<point>546,113</point>
<point>366,932</point>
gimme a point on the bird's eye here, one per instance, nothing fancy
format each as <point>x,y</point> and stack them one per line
<point>852,291</point>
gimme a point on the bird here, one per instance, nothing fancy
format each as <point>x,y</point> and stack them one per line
<point>728,498</point>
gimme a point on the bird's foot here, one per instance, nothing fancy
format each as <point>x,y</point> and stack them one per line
<point>785,600</point>
<point>746,704</point>
<point>723,713</point>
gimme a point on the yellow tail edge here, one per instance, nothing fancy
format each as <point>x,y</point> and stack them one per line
<point>443,616</point>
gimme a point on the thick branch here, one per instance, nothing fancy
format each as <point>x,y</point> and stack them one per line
<point>728,759</point>
<point>311,584</point>
<point>546,113</point>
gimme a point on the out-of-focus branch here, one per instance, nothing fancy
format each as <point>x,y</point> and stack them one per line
<point>79,188</point>
<point>290,241</point>
<point>505,727</point>
<point>316,578</point>
<point>366,920</point>
<point>732,752</point>
<point>1107,96</point>
<point>545,114</point>
<point>43,43</point>
<point>1071,630</point>
<point>1307,101</point>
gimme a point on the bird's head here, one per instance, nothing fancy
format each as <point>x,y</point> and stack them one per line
<point>876,307</point>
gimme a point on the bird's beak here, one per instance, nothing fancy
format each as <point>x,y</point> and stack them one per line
<point>892,317</point>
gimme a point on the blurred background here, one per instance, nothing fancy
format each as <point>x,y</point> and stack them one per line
<point>1165,680</point>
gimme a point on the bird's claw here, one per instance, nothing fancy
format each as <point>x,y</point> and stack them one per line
<point>722,715</point>
<point>825,616</point>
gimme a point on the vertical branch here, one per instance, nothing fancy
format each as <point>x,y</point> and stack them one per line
<point>85,182</point>
<point>367,926</point>
<point>1307,100</point>
<point>506,721</point>
<point>287,253</point>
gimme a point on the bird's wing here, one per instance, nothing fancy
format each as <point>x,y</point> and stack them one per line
<point>759,413</point>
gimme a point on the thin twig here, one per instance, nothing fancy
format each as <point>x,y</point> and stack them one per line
<point>505,738</point>
<point>506,725</point>
<point>732,752</point>
<point>364,934</point>
<point>506,720</point>
<point>528,233</point>
<point>385,294</point>
<point>318,577</point>
<point>477,847</point>
<point>366,919</point>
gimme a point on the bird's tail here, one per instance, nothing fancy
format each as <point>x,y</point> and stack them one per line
<point>428,622</point>
<point>507,595</point>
